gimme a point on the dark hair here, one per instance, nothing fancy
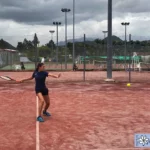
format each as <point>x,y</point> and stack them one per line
<point>39,65</point>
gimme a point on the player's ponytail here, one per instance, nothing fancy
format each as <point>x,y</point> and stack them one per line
<point>38,66</point>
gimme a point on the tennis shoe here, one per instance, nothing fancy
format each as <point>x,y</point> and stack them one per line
<point>40,119</point>
<point>46,113</point>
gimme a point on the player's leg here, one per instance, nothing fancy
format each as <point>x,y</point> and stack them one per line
<point>47,104</point>
<point>41,103</point>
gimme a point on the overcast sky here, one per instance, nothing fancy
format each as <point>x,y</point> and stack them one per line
<point>20,19</point>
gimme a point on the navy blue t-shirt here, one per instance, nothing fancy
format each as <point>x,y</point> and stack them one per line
<point>40,79</point>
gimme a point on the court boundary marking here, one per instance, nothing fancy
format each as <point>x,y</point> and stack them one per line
<point>37,127</point>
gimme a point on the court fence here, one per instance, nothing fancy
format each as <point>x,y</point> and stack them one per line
<point>89,56</point>
<point>8,58</point>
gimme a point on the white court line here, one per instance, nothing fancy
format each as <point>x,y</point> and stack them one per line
<point>143,148</point>
<point>37,126</point>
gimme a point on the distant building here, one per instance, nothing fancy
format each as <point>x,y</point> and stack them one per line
<point>8,57</point>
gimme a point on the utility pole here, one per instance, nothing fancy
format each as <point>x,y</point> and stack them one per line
<point>109,45</point>
<point>73,55</point>
<point>65,10</point>
<point>57,24</point>
<point>125,52</point>
<point>52,32</point>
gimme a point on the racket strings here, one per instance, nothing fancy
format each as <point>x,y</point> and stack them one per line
<point>5,78</point>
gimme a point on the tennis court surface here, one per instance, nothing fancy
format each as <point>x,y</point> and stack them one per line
<point>89,115</point>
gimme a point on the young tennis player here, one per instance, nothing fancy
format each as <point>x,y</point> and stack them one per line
<point>41,90</point>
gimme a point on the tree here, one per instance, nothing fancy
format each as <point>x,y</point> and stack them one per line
<point>35,42</point>
<point>98,41</point>
<point>28,44</point>
<point>2,44</point>
<point>25,42</point>
<point>25,46</point>
<point>143,43</point>
<point>137,42</point>
<point>5,45</point>
<point>20,46</point>
<point>44,51</point>
<point>51,44</point>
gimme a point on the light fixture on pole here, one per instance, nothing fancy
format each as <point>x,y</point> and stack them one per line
<point>125,52</point>
<point>65,10</point>
<point>105,32</point>
<point>52,32</point>
<point>57,24</point>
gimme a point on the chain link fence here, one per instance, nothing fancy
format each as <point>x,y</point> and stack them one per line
<point>8,58</point>
<point>136,53</point>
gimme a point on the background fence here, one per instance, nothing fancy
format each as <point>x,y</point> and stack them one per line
<point>8,58</point>
<point>136,53</point>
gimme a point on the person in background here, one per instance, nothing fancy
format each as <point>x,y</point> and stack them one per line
<point>43,60</point>
<point>22,66</point>
<point>75,68</point>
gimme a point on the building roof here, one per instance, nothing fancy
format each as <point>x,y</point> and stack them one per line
<point>8,50</point>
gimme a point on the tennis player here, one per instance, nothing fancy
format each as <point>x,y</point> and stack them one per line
<point>41,90</point>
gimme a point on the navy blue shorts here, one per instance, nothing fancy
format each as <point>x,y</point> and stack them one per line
<point>43,91</point>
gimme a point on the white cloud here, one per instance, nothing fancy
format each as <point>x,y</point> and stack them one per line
<point>21,20</point>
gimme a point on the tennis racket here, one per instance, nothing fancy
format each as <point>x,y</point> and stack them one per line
<point>7,78</point>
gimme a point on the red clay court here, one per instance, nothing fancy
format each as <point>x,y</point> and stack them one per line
<point>91,115</point>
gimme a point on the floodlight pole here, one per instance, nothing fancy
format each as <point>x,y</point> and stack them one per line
<point>52,32</point>
<point>130,59</point>
<point>57,24</point>
<point>84,55</point>
<point>125,52</point>
<point>65,10</point>
<point>105,33</point>
<point>73,32</point>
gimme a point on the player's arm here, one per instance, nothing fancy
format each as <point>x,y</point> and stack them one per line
<point>27,79</point>
<point>54,76</point>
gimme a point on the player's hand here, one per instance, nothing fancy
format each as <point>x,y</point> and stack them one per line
<point>59,75</point>
<point>19,81</point>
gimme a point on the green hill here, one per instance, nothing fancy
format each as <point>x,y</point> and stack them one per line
<point>5,45</point>
<point>115,38</point>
